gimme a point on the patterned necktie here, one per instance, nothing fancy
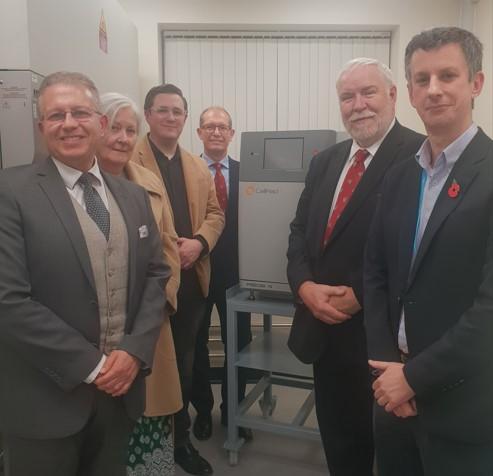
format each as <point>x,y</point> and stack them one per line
<point>95,206</point>
<point>220,183</point>
<point>353,176</point>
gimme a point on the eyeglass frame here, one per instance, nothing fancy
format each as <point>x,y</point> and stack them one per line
<point>166,112</point>
<point>212,128</point>
<point>90,113</point>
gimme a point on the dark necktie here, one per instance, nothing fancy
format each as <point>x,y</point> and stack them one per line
<point>221,190</point>
<point>95,206</point>
<point>353,176</point>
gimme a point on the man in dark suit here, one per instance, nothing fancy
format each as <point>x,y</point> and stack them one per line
<point>325,260</point>
<point>81,297</point>
<point>216,132</point>
<point>429,270</point>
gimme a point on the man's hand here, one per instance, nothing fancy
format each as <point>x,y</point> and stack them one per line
<point>407,409</point>
<point>346,303</point>
<point>317,297</point>
<point>391,389</point>
<point>189,250</point>
<point>118,373</point>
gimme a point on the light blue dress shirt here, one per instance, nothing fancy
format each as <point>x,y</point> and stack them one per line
<point>432,181</point>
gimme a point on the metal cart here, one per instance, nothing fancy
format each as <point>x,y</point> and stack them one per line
<point>268,353</point>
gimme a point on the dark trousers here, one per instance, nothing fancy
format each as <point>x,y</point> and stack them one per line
<point>343,402</point>
<point>99,449</point>
<point>403,447</point>
<point>202,398</point>
<point>185,325</point>
<point>396,446</point>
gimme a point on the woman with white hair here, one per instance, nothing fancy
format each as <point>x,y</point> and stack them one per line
<point>151,443</point>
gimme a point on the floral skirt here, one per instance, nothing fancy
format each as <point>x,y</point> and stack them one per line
<point>151,447</point>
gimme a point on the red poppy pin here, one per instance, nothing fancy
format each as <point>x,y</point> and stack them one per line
<point>454,189</point>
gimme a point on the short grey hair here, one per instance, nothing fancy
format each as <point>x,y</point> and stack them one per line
<point>437,37</point>
<point>72,79</point>
<point>113,103</point>
<point>215,108</point>
<point>356,62</point>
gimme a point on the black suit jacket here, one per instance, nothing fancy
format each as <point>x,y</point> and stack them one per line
<point>447,294</point>
<point>341,261</point>
<point>224,256</point>
<point>49,316</point>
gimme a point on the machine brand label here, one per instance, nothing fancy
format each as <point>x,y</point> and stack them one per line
<point>252,189</point>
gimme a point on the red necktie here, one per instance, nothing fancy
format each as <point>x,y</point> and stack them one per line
<point>353,176</point>
<point>220,183</point>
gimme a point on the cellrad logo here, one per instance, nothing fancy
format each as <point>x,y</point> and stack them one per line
<point>252,189</point>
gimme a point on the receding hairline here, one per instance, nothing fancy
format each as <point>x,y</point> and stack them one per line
<point>215,109</point>
<point>74,79</point>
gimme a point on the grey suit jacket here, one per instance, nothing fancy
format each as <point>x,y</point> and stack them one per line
<point>49,318</point>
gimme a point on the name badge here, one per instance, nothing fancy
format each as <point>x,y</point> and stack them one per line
<point>143,231</point>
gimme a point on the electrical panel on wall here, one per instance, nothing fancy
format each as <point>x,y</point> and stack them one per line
<point>20,139</point>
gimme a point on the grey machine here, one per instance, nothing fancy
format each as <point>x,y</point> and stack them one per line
<point>20,139</point>
<point>273,166</point>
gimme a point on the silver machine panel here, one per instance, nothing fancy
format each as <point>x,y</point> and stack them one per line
<point>20,140</point>
<point>273,166</point>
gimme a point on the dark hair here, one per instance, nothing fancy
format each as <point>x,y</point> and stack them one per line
<point>441,36</point>
<point>163,89</point>
<point>73,79</point>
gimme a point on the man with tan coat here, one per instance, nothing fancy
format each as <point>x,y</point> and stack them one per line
<point>198,221</point>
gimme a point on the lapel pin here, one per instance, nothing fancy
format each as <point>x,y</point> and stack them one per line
<point>143,231</point>
<point>454,189</point>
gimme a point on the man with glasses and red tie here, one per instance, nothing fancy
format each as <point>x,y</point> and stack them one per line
<point>81,297</point>
<point>199,221</point>
<point>325,260</point>
<point>216,132</point>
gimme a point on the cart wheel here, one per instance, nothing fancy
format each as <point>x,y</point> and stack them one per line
<point>233,458</point>
<point>267,407</point>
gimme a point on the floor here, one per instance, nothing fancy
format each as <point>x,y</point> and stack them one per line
<point>267,454</point>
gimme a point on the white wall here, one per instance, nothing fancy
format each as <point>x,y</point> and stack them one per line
<point>51,35</point>
<point>482,19</point>
<point>14,39</point>
<point>404,17</point>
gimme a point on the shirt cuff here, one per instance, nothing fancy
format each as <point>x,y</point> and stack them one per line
<point>205,250</point>
<point>92,376</point>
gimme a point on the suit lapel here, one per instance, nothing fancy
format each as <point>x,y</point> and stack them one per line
<point>410,188</point>
<point>383,159</point>
<point>146,158</point>
<point>131,217</point>
<point>190,177</point>
<point>463,172</point>
<point>54,188</point>
<point>327,190</point>
<point>233,186</point>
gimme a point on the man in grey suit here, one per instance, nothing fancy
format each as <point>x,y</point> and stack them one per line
<point>81,297</point>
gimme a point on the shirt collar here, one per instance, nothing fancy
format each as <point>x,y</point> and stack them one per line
<point>224,162</point>
<point>450,154</point>
<point>70,175</point>
<point>374,147</point>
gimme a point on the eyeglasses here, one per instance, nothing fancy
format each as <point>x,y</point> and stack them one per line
<point>166,112</point>
<point>211,128</point>
<point>79,115</point>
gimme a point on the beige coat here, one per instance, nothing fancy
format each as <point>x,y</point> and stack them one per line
<point>163,393</point>
<point>205,213</point>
